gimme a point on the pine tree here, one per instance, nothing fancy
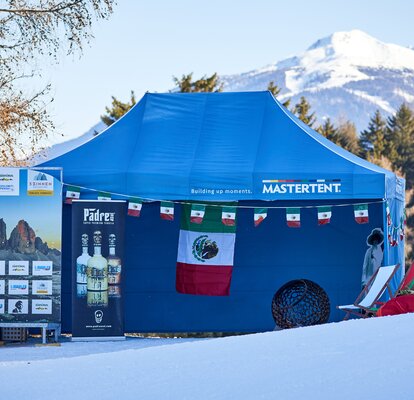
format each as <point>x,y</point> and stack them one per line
<point>275,90</point>
<point>328,130</point>
<point>204,84</point>
<point>372,140</point>
<point>348,137</point>
<point>117,109</point>
<point>302,110</point>
<point>400,141</point>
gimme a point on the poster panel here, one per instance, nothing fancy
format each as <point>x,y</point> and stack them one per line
<point>30,241</point>
<point>97,261</point>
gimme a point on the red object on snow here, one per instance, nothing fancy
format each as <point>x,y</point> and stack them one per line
<point>398,305</point>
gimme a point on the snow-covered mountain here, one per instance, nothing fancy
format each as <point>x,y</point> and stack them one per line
<point>347,75</point>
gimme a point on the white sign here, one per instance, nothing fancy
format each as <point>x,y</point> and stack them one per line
<point>41,288</point>
<point>19,287</point>
<point>18,306</point>
<point>42,268</point>
<point>2,286</point>
<point>2,310</point>
<point>41,306</point>
<point>39,183</point>
<point>9,181</point>
<point>3,267</point>
<point>18,267</point>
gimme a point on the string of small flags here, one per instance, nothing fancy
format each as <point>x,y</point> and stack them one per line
<point>228,215</point>
<point>396,233</point>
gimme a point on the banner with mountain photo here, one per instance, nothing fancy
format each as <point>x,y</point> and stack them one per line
<point>98,229</point>
<point>30,245</point>
<point>205,252</point>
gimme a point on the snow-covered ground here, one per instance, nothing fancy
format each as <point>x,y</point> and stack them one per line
<point>358,359</point>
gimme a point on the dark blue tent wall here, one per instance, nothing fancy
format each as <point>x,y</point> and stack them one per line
<point>169,146</point>
<point>265,258</point>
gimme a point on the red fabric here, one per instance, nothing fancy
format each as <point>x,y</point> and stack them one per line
<point>398,305</point>
<point>408,278</point>
<point>208,280</point>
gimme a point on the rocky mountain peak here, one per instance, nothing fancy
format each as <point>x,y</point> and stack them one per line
<point>22,238</point>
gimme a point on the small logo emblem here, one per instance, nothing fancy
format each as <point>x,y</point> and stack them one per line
<point>98,316</point>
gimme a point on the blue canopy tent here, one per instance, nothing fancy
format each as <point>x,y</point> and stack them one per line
<point>245,147</point>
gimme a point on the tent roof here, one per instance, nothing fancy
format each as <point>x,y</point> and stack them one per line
<point>221,146</point>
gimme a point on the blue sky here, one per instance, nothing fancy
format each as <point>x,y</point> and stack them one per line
<point>144,44</point>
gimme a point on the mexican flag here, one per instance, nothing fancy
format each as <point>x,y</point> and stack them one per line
<point>104,196</point>
<point>389,221</point>
<point>72,193</point>
<point>167,210</point>
<point>361,213</point>
<point>134,207</point>
<point>197,213</point>
<point>228,216</point>
<point>205,254</point>
<point>259,215</point>
<point>293,217</point>
<point>324,215</point>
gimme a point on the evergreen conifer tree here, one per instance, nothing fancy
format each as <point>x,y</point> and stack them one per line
<point>348,137</point>
<point>117,109</point>
<point>204,84</point>
<point>372,140</point>
<point>302,110</point>
<point>275,90</point>
<point>400,141</point>
<point>328,130</point>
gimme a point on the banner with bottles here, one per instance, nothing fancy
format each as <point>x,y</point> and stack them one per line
<point>30,245</point>
<point>97,269</point>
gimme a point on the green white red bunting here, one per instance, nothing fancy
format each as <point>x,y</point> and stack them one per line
<point>134,207</point>
<point>388,212</point>
<point>229,213</point>
<point>259,215</point>
<point>324,215</point>
<point>361,213</point>
<point>205,254</point>
<point>104,196</point>
<point>197,213</point>
<point>403,224</point>
<point>293,217</point>
<point>72,193</point>
<point>228,216</point>
<point>167,210</point>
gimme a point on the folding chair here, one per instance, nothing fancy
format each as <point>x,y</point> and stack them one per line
<point>367,303</point>
<point>407,284</point>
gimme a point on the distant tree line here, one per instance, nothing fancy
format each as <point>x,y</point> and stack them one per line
<point>387,141</point>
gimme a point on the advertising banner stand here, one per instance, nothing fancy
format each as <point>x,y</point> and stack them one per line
<point>30,248</point>
<point>97,256</point>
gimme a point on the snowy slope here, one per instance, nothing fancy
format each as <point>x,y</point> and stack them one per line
<point>347,75</point>
<point>359,359</point>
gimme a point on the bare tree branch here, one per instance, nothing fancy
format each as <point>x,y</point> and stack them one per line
<point>29,29</point>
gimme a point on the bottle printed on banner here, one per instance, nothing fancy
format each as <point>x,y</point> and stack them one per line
<point>82,261</point>
<point>114,263</point>
<point>81,290</point>
<point>97,298</point>
<point>97,270</point>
